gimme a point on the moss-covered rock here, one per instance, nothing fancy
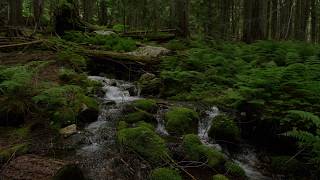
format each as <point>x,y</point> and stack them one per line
<point>137,116</point>
<point>144,124</point>
<point>181,121</point>
<point>286,165</point>
<point>149,84</point>
<point>196,151</point>
<point>235,170</point>
<point>147,105</point>
<point>69,172</point>
<point>224,128</point>
<point>145,142</point>
<point>165,174</point>
<point>219,177</point>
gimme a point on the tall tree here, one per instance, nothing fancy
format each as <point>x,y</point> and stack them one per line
<point>88,9</point>
<point>103,12</point>
<point>38,6</point>
<point>274,19</point>
<point>15,12</point>
<point>182,17</point>
<point>301,19</point>
<point>314,20</point>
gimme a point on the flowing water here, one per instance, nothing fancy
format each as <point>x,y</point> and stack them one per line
<point>98,148</point>
<point>97,153</point>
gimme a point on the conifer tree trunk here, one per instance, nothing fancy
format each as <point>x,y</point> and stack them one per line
<point>88,9</point>
<point>38,6</point>
<point>15,12</point>
<point>182,18</point>
<point>314,20</point>
<point>103,12</point>
<point>274,20</point>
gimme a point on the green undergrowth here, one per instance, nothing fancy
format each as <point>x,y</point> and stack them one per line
<point>165,174</point>
<point>66,98</point>
<point>261,81</point>
<point>111,42</point>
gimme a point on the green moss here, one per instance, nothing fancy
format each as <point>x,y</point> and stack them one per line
<point>286,165</point>
<point>144,124</point>
<point>165,174</point>
<point>17,150</point>
<point>138,116</point>
<point>147,105</point>
<point>145,142</point>
<point>181,121</point>
<point>149,84</point>
<point>219,177</point>
<point>196,151</point>
<point>224,128</point>
<point>122,125</point>
<point>234,170</point>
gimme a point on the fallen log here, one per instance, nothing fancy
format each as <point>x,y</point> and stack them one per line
<point>152,37</point>
<point>120,57</point>
<point>21,44</point>
<point>149,32</point>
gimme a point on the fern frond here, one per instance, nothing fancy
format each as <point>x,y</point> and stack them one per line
<point>306,116</point>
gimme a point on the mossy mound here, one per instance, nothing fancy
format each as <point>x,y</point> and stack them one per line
<point>219,177</point>
<point>286,165</point>
<point>137,116</point>
<point>144,141</point>
<point>17,150</point>
<point>224,128</point>
<point>144,124</point>
<point>181,121</point>
<point>196,151</point>
<point>149,84</point>
<point>165,174</point>
<point>235,170</point>
<point>147,105</point>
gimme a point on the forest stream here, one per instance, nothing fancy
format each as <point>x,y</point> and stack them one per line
<point>97,153</point>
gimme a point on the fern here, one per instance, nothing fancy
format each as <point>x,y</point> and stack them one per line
<point>306,116</point>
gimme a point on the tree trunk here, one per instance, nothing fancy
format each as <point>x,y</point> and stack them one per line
<point>103,12</point>
<point>15,12</point>
<point>38,6</point>
<point>274,20</point>
<point>314,21</point>
<point>88,9</point>
<point>182,18</point>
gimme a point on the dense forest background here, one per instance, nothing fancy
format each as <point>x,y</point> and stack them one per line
<point>234,86</point>
<point>246,20</point>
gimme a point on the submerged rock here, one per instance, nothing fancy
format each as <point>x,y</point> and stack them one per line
<point>68,131</point>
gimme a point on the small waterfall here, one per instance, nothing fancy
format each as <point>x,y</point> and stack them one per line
<point>161,129</point>
<point>97,153</point>
<point>247,159</point>
<point>205,125</point>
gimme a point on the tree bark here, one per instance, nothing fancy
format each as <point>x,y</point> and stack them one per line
<point>103,12</point>
<point>15,12</point>
<point>38,6</point>
<point>182,18</point>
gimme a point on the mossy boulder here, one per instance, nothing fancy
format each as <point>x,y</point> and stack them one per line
<point>235,170</point>
<point>196,151</point>
<point>224,128</point>
<point>144,141</point>
<point>137,116</point>
<point>69,172</point>
<point>144,124</point>
<point>219,177</point>
<point>149,84</point>
<point>286,165</point>
<point>147,105</point>
<point>165,174</point>
<point>180,121</point>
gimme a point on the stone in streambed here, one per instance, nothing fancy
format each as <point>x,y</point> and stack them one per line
<point>68,131</point>
<point>149,84</point>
